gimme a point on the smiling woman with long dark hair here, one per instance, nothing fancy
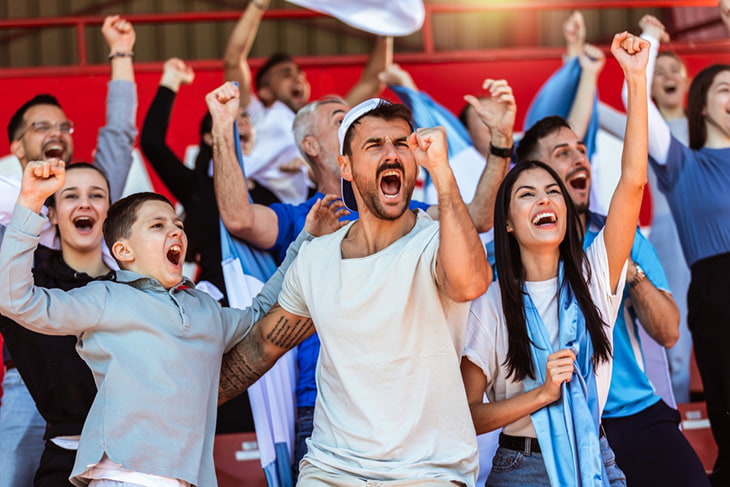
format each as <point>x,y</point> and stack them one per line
<point>539,342</point>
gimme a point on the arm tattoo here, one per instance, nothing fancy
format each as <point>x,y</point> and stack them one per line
<point>286,334</point>
<point>249,360</point>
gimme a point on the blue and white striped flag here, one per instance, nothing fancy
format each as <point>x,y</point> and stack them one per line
<point>245,269</point>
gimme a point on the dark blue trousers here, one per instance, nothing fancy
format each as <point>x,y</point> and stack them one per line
<point>651,450</point>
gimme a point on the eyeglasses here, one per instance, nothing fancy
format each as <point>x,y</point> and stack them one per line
<point>44,126</point>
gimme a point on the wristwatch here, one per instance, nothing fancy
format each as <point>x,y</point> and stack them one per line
<point>638,277</point>
<point>500,151</point>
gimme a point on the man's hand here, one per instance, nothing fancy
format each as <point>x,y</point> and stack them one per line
<point>118,34</point>
<point>176,73</point>
<point>592,59</point>
<point>324,217</point>
<point>223,103</point>
<point>430,147</point>
<point>394,75</point>
<point>651,26</point>
<point>40,180</point>
<point>497,112</point>
<point>574,32</point>
<point>631,52</point>
<point>294,166</point>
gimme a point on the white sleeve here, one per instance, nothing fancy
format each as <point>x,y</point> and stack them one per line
<point>659,135</point>
<point>611,120</point>
<point>481,337</point>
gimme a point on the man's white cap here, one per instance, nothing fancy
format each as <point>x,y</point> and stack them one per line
<point>355,114</point>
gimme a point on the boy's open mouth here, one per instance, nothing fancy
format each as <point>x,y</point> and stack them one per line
<point>174,254</point>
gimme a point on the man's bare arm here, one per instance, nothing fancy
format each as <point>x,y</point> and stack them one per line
<point>656,309</point>
<point>270,338</point>
<point>235,57</point>
<point>461,263</point>
<point>256,224</point>
<point>498,115</point>
<point>369,84</point>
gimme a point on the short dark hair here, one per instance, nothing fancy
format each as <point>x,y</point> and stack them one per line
<point>16,121</point>
<point>697,102</point>
<point>51,200</point>
<point>274,59</point>
<point>528,147</point>
<point>122,215</point>
<point>384,110</point>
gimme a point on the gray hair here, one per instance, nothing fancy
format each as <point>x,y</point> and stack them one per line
<point>305,119</point>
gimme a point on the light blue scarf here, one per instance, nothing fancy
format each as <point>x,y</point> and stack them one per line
<point>567,430</point>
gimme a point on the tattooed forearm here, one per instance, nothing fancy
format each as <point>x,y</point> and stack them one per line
<point>277,332</point>
<point>243,366</point>
<point>286,333</point>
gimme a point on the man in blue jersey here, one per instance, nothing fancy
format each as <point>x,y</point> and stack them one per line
<point>641,429</point>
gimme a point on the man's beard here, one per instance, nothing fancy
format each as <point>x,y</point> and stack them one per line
<point>373,203</point>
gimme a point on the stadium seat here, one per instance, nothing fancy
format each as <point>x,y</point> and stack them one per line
<point>237,460</point>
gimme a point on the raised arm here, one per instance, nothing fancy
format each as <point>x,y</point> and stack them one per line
<point>115,140</point>
<point>574,32</point>
<point>461,264</point>
<point>623,214</point>
<point>47,311</point>
<point>369,84</point>
<point>498,115</point>
<point>256,224</point>
<point>426,111</point>
<point>659,134</point>
<point>178,178</point>
<point>591,62</point>
<point>235,57</point>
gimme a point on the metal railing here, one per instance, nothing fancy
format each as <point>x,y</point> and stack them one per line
<point>427,53</point>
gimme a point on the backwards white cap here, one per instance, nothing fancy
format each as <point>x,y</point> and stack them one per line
<point>355,113</point>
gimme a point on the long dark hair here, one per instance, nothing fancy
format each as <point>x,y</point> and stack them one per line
<point>512,276</point>
<point>697,102</point>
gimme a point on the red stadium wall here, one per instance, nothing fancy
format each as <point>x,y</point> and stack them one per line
<point>82,96</point>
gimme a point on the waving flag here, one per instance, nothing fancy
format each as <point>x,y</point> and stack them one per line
<point>245,269</point>
<point>381,17</point>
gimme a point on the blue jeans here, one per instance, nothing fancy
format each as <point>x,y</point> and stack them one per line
<point>511,468</point>
<point>21,433</point>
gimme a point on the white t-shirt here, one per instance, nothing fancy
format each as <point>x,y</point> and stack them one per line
<point>391,402</point>
<point>487,338</point>
<point>273,148</point>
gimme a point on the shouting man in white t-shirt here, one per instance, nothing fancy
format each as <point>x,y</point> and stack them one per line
<point>389,294</point>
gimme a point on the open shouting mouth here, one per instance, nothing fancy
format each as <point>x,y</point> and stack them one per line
<point>174,254</point>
